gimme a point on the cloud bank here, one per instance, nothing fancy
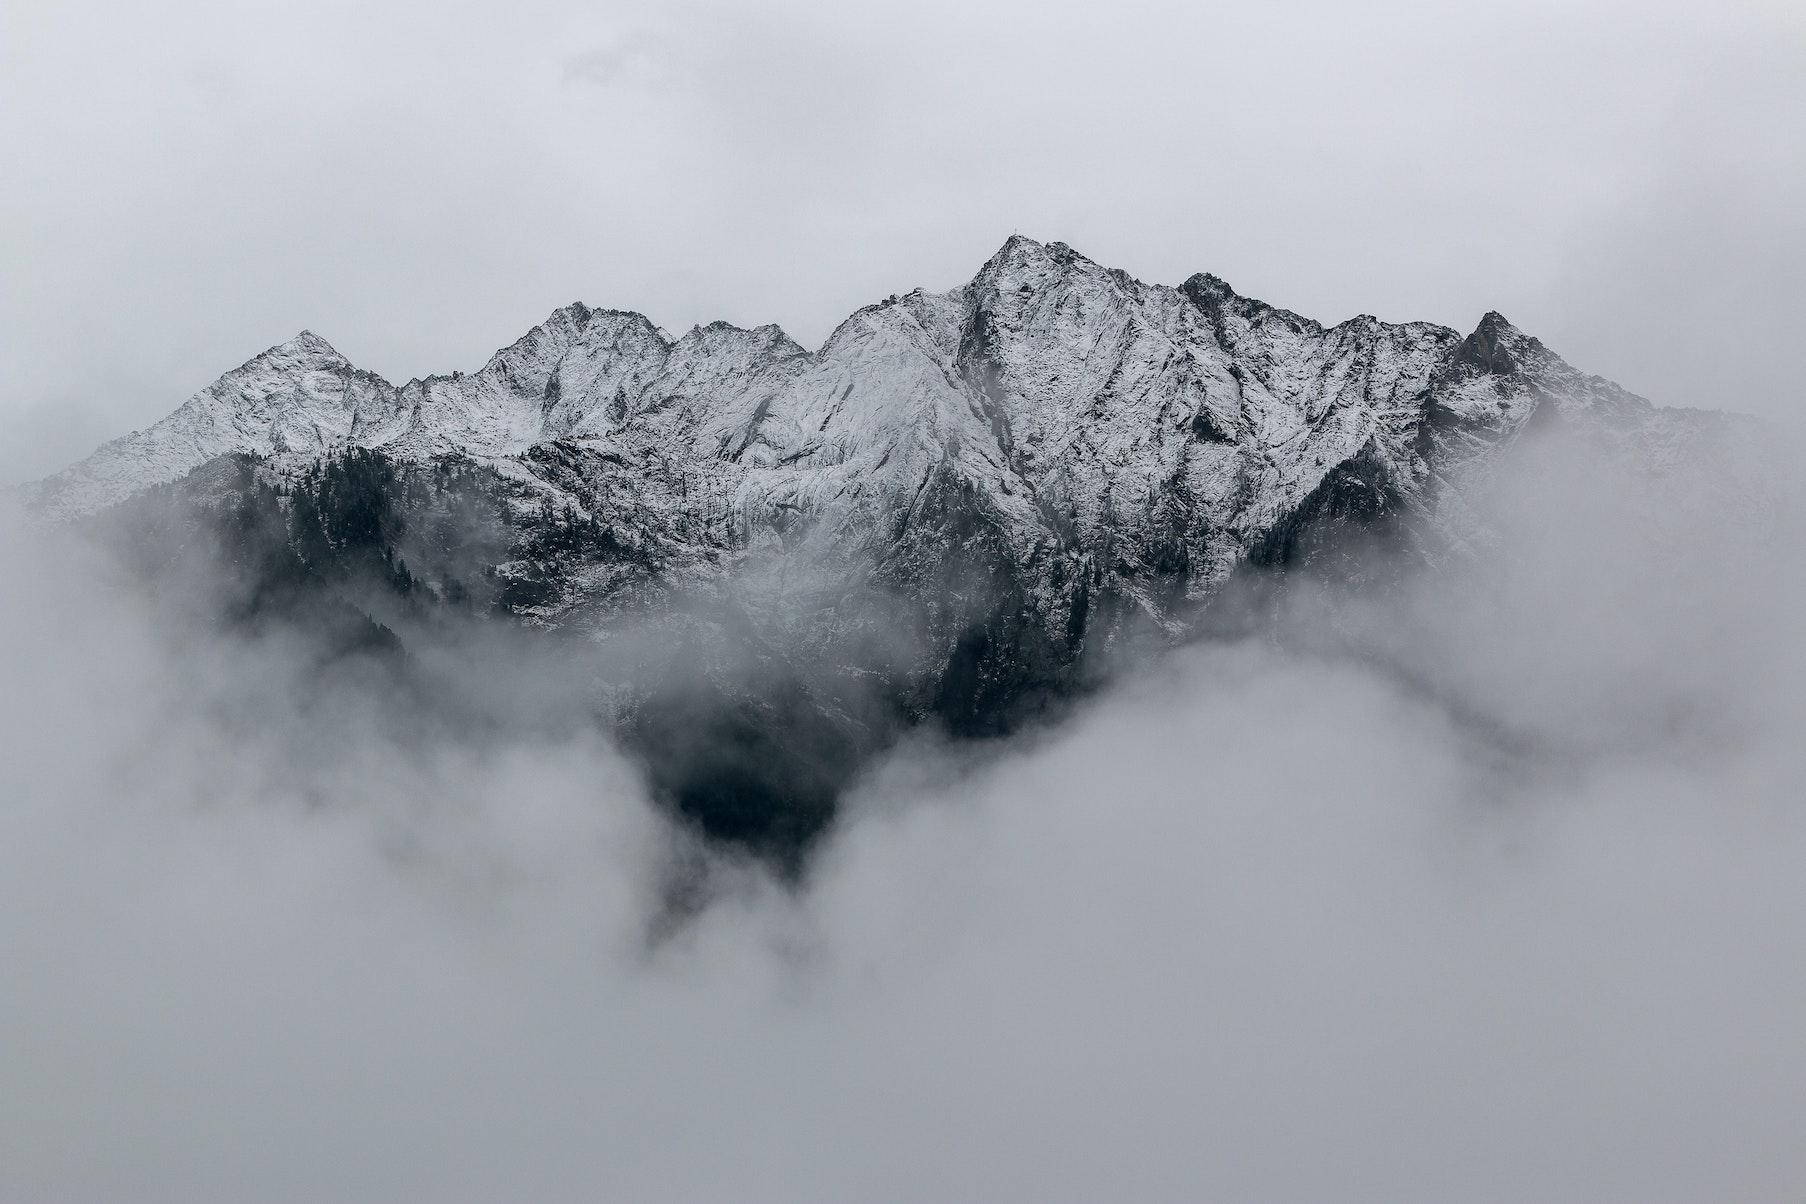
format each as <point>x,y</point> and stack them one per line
<point>1485,889</point>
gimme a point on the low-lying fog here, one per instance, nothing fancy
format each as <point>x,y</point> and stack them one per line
<point>1511,905</point>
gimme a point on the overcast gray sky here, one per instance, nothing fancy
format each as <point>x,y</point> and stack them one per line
<point>188,183</point>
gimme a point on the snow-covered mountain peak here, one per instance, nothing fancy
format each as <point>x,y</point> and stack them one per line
<point>947,510</point>
<point>1015,249</point>
<point>1025,264</point>
<point>769,338</point>
<point>1204,286</point>
<point>1052,384</point>
<point>1496,346</point>
<point>305,350</point>
<point>534,355</point>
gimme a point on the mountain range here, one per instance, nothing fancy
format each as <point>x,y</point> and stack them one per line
<point>956,511</point>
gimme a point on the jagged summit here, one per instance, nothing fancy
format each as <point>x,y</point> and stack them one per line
<point>1015,248</point>
<point>303,347</point>
<point>1021,257</point>
<point>1490,348</point>
<point>1046,372</point>
<point>308,343</point>
<point>1208,284</point>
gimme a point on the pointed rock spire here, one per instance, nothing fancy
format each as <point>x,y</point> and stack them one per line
<point>1495,346</point>
<point>1018,255</point>
<point>306,343</point>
